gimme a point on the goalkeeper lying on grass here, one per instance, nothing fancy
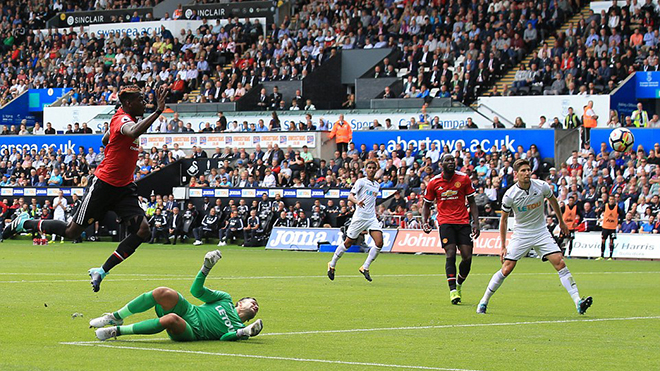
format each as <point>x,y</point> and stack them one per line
<point>216,319</point>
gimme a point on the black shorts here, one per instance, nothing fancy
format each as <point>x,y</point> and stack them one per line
<point>455,234</point>
<point>608,233</point>
<point>102,197</point>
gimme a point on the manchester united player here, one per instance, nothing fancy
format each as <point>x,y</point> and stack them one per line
<point>449,190</point>
<point>612,216</point>
<point>112,188</point>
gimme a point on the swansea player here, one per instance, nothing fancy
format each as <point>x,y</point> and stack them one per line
<point>526,200</point>
<point>363,195</point>
<point>112,187</point>
<point>450,190</point>
<point>216,319</point>
<point>612,216</point>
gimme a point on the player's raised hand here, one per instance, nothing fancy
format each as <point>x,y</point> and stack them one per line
<point>210,260</point>
<point>161,94</point>
<point>426,227</point>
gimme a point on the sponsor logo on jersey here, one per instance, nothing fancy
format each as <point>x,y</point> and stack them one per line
<point>448,193</point>
<point>225,318</point>
<point>530,207</point>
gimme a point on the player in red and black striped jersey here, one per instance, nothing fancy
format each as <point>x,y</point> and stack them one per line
<point>112,188</point>
<point>449,192</point>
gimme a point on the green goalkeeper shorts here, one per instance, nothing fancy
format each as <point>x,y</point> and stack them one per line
<point>187,312</point>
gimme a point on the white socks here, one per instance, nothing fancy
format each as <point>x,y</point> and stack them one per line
<point>569,283</point>
<point>493,285</point>
<point>341,249</point>
<point>373,253</point>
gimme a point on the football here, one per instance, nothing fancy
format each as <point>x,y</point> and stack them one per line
<point>621,139</point>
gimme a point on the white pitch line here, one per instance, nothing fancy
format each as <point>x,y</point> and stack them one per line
<point>310,360</point>
<point>159,277</point>
<point>459,325</point>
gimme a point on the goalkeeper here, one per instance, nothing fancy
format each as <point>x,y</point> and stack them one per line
<point>216,319</point>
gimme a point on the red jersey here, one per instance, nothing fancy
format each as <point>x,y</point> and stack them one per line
<point>450,197</point>
<point>121,153</point>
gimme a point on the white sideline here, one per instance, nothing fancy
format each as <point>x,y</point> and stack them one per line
<point>165,277</point>
<point>312,360</point>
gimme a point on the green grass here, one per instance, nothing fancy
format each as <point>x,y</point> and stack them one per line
<point>42,286</point>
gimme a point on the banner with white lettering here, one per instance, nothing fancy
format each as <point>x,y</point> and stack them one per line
<point>470,139</point>
<point>57,142</point>
<point>308,239</point>
<point>626,246</point>
<point>416,241</point>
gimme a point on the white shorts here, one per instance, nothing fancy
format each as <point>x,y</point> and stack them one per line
<point>543,243</point>
<point>357,226</point>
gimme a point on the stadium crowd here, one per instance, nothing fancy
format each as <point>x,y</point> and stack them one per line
<point>594,55</point>
<point>452,48</point>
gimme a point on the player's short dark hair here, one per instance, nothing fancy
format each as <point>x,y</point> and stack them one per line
<point>249,298</point>
<point>520,163</point>
<point>129,92</point>
<point>369,162</point>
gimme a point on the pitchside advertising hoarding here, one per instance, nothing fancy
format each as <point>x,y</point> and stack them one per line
<point>308,239</point>
<point>626,246</point>
<point>470,139</point>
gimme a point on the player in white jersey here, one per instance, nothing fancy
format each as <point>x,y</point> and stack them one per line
<point>526,200</point>
<point>363,195</point>
<point>59,211</point>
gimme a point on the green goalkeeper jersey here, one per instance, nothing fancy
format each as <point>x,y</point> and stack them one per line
<point>217,318</point>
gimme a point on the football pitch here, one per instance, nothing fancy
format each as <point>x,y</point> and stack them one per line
<point>401,320</point>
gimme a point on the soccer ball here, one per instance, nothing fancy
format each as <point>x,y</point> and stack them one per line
<point>621,139</point>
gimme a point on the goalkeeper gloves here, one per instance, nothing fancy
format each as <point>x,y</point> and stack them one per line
<point>210,260</point>
<point>251,330</point>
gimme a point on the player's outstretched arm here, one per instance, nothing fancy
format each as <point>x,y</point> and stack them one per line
<point>474,211</point>
<point>141,127</point>
<point>198,289</point>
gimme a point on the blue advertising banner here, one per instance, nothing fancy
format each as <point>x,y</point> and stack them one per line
<point>645,137</point>
<point>469,138</point>
<point>15,111</point>
<point>38,98</point>
<point>647,85</point>
<point>63,142</point>
<point>45,192</point>
<point>308,239</point>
